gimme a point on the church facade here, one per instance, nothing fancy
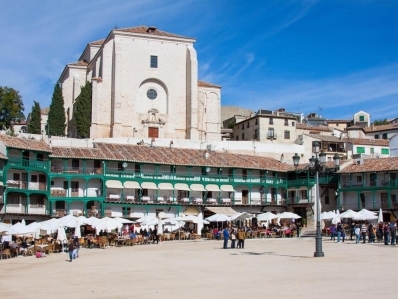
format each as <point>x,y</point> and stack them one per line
<point>144,84</point>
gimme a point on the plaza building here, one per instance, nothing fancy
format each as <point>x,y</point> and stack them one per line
<point>144,84</point>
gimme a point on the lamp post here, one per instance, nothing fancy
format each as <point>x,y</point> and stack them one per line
<point>317,166</point>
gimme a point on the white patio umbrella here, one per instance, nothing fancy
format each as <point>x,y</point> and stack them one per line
<point>367,215</point>
<point>268,216</point>
<point>351,214</point>
<point>380,218</point>
<point>328,215</point>
<point>92,220</point>
<point>160,226</point>
<point>240,216</point>
<point>218,218</point>
<point>106,224</point>
<point>336,219</point>
<point>288,215</point>
<point>21,229</point>
<point>123,220</point>
<point>365,212</point>
<point>61,237</point>
<point>146,219</point>
<point>78,232</point>
<point>191,218</point>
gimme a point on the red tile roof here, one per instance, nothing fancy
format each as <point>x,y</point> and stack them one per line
<point>144,30</point>
<point>388,127</point>
<point>97,42</point>
<point>79,63</point>
<point>325,138</point>
<point>313,128</point>
<point>373,165</point>
<point>77,153</point>
<point>365,141</point>
<point>24,143</point>
<point>206,84</point>
<point>187,157</point>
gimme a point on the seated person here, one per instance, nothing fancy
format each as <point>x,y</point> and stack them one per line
<point>166,231</point>
<point>40,254</point>
<point>133,235</point>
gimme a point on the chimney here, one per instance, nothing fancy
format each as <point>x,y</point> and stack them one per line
<point>151,29</point>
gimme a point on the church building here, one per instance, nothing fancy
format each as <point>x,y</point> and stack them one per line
<point>144,84</point>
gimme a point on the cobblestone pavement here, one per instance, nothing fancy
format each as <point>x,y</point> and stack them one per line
<point>273,268</point>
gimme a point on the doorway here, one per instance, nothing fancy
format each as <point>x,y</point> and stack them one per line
<point>245,197</point>
<point>153,132</point>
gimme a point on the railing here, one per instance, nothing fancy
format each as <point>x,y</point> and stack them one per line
<point>64,193</point>
<point>378,183</point>
<point>24,185</point>
<point>75,170</point>
<point>299,200</point>
<point>186,177</point>
<point>28,163</point>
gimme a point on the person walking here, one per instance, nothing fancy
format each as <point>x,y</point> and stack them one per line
<point>77,247</point>
<point>71,249</point>
<point>393,233</point>
<point>380,232</point>
<point>386,230</point>
<point>241,238</point>
<point>357,232</point>
<point>155,235</point>
<point>364,230</point>
<point>371,233</point>
<point>226,237</point>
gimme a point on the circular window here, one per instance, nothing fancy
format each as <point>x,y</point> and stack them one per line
<point>151,94</point>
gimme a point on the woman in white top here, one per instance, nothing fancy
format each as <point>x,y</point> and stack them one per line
<point>357,231</point>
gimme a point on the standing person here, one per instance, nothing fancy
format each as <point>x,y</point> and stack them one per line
<point>393,233</point>
<point>371,233</point>
<point>357,232</point>
<point>71,249</point>
<point>364,230</point>
<point>333,232</point>
<point>386,230</point>
<point>339,232</point>
<point>226,237</point>
<point>352,230</point>
<point>380,232</point>
<point>233,238</point>
<point>241,238</point>
<point>298,225</point>
<point>155,235</point>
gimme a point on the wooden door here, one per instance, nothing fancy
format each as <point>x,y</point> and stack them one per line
<point>153,132</point>
<point>245,197</point>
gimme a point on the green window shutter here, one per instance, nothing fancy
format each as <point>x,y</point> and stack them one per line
<point>372,150</point>
<point>360,150</point>
<point>361,118</point>
<point>385,151</point>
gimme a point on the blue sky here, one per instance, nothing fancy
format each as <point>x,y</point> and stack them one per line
<point>335,57</point>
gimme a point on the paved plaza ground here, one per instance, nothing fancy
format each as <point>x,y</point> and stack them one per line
<point>273,268</point>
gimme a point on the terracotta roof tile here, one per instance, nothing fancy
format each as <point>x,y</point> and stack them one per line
<point>76,152</point>
<point>373,165</point>
<point>144,30</point>
<point>188,157</point>
<point>365,141</point>
<point>24,143</point>
<point>206,84</point>
<point>325,138</point>
<point>79,63</point>
<point>97,42</point>
<point>45,110</point>
<point>313,128</point>
<point>338,121</point>
<point>355,128</point>
<point>381,128</point>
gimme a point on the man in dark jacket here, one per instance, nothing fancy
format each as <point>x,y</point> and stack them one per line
<point>393,233</point>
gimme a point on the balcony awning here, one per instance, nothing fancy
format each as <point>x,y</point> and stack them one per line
<point>181,186</point>
<point>165,186</point>
<point>148,185</point>
<point>114,184</point>
<point>222,210</point>
<point>212,187</point>
<point>197,187</point>
<point>227,188</point>
<point>131,185</point>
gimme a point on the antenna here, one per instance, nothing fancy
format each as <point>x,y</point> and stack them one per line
<point>320,111</point>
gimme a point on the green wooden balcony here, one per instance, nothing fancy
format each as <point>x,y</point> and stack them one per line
<point>32,164</point>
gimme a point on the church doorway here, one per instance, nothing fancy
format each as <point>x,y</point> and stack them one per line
<point>153,132</point>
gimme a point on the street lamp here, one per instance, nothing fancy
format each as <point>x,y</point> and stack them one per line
<point>317,166</point>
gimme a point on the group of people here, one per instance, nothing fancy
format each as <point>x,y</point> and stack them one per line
<point>234,234</point>
<point>371,232</point>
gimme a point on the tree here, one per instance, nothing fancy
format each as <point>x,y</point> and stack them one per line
<point>34,126</point>
<point>56,116</point>
<point>82,112</point>
<point>11,107</point>
<point>379,122</point>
